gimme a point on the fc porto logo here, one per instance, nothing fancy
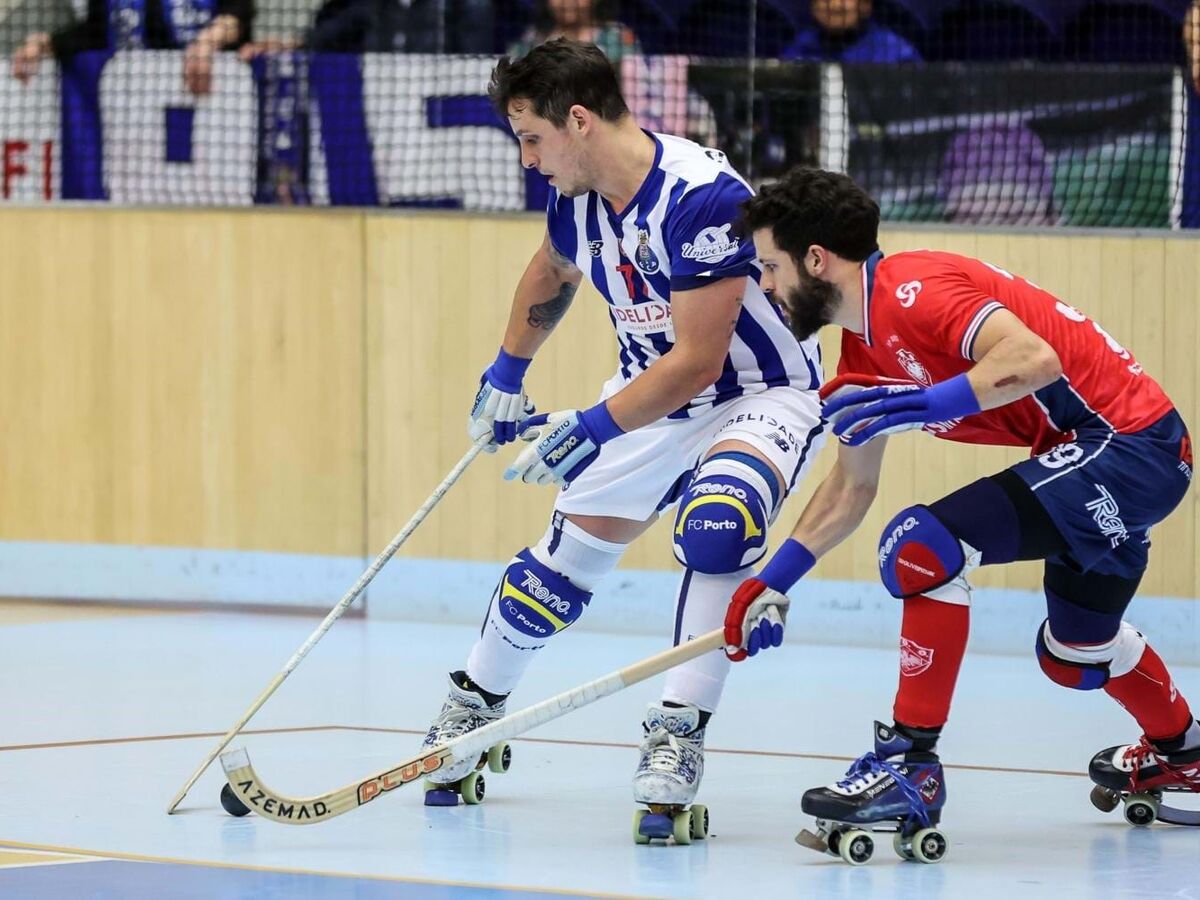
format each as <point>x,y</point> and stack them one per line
<point>909,362</point>
<point>643,255</point>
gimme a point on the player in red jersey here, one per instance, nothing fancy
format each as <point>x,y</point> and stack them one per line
<point>972,353</point>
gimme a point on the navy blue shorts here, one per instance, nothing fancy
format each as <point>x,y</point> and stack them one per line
<point>1105,490</point>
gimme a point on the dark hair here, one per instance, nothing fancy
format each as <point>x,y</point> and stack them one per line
<point>555,76</point>
<point>811,206</point>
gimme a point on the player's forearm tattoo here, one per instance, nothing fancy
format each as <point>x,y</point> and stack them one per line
<point>546,315</point>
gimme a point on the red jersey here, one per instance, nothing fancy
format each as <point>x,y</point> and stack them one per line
<point>922,311</point>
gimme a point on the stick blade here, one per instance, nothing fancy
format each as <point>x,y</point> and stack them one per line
<point>249,788</point>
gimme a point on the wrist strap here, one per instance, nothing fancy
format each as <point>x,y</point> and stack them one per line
<point>508,371</point>
<point>600,423</point>
<point>789,564</point>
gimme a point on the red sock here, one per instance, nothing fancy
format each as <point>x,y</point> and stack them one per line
<point>1149,695</point>
<point>933,638</point>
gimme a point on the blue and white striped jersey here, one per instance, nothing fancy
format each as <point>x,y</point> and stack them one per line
<point>677,234</point>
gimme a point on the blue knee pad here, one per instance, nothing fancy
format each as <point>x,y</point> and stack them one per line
<point>723,516</point>
<point>536,600</point>
<point>918,554</point>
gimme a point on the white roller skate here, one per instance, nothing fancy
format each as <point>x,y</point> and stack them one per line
<point>465,710</point>
<point>668,776</point>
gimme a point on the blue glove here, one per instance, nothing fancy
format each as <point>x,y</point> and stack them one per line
<point>500,401</point>
<point>860,415</point>
<point>569,442</point>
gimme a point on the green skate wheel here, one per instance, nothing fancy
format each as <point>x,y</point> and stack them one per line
<point>1141,810</point>
<point>855,847</point>
<point>929,845</point>
<point>902,845</point>
<point>1104,799</point>
<point>683,827</point>
<point>699,822</point>
<point>472,789</point>
<point>638,837</point>
<point>499,758</point>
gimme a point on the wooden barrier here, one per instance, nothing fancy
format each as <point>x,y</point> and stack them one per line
<point>297,381</point>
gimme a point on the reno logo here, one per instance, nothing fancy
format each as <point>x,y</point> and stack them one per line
<point>885,550</point>
<point>907,293</point>
<point>544,595</point>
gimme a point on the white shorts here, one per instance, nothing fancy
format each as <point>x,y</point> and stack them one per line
<point>638,474</point>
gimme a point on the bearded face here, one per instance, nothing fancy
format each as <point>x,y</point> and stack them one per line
<point>810,305</point>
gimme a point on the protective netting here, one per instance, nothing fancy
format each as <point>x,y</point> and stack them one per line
<point>1002,112</point>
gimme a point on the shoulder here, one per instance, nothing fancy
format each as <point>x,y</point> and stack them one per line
<point>805,45</point>
<point>884,45</point>
<point>694,165</point>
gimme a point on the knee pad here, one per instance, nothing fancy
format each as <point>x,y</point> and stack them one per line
<point>723,516</point>
<point>1087,667</point>
<point>919,555</point>
<point>537,601</point>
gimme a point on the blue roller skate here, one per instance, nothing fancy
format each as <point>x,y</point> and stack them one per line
<point>896,789</point>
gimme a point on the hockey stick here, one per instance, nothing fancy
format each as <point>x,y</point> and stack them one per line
<point>249,788</point>
<point>336,613</point>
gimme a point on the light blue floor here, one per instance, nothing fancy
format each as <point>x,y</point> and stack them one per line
<point>1018,817</point>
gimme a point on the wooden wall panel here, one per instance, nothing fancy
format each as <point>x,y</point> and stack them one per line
<point>301,381</point>
<point>189,379</point>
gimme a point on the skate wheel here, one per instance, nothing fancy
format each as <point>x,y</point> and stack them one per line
<point>231,804</point>
<point>682,827</point>
<point>499,758</point>
<point>1141,810</point>
<point>902,845</point>
<point>1104,799</point>
<point>699,822</point>
<point>929,845</point>
<point>855,847</point>
<point>472,789</point>
<point>638,837</point>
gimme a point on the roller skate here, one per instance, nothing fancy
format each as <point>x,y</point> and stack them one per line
<point>465,710</point>
<point>668,776</point>
<point>896,789</point>
<point>1138,775</point>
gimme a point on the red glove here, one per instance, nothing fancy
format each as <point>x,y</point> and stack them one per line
<point>754,619</point>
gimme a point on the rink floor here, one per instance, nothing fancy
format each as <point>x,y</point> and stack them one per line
<point>106,717</point>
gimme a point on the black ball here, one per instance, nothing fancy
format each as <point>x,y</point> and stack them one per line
<point>232,804</point>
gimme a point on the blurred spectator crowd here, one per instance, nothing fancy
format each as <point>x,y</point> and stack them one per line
<point>854,31</point>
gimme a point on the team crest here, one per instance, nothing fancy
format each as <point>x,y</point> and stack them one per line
<point>644,256</point>
<point>914,659</point>
<point>595,248</point>
<point>909,362</point>
<point>929,789</point>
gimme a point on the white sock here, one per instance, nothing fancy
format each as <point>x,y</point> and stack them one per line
<point>501,655</point>
<point>699,608</point>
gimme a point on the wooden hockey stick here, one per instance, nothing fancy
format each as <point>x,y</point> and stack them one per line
<point>336,613</point>
<point>249,788</point>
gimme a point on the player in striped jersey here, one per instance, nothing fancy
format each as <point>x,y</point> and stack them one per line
<point>713,406</point>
